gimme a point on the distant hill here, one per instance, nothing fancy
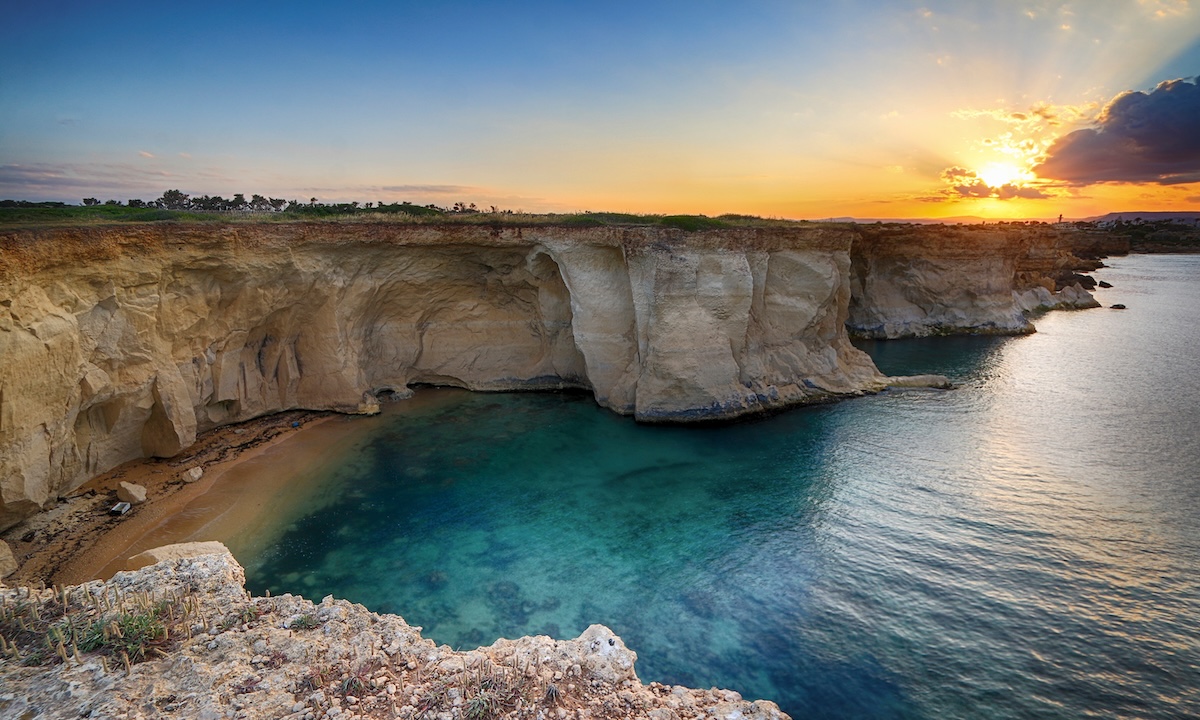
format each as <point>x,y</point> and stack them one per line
<point>963,219</point>
<point>1188,216</point>
<point>1146,216</point>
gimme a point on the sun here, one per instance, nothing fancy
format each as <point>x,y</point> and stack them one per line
<point>1000,174</point>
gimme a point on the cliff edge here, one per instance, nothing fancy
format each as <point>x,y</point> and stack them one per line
<point>183,637</point>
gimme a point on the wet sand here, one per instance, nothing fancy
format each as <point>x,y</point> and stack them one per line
<point>257,476</point>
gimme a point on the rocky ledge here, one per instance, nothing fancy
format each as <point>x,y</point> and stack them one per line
<point>183,638</point>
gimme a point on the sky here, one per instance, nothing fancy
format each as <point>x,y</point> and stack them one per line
<point>998,109</point>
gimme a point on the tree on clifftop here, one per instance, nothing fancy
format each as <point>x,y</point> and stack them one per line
<point>174,200</point>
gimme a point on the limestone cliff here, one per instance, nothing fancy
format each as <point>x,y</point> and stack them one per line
<point>123,342</point>
<point>918,280</point>
<point>198,646</point>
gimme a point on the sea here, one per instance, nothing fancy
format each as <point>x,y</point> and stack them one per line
<point>1024,545</point>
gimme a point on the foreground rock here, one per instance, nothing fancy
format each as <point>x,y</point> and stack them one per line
<point>216,652</point>
<point>177,551</point>
<point>8,563</point>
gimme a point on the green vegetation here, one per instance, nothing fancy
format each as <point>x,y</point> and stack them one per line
<point>305,622</point>
<point>62,624</point>
<point>1158,235</point>
<point>177,206</point>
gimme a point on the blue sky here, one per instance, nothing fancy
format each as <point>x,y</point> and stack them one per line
<point>792,109</point>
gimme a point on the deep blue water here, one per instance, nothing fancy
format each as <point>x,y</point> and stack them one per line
<point>1024,546</point>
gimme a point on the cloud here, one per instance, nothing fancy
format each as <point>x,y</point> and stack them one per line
<point>1193,199</point>
<point>1162,9</point>
<point>430,189</point>
<point>1138,138</point>
<point>62,181</point>
<point>966,183</point>
<point>145,154</point>
<point>1039,114</point>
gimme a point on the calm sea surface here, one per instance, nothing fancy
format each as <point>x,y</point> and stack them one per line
<point>1024,546</point>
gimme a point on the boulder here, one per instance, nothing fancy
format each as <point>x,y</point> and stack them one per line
<point>193,474</point>
<point>131,493</point>
<point>1104,284</point>
<point>175,552</point>
<point>8,562</point>
<point>1118,306</point>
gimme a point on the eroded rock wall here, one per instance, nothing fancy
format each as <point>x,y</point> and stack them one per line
<point>919,280</point>
<point>126,342</point>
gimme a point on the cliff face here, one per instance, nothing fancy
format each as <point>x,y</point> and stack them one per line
<point>126,342</point>
<point>917,280</point>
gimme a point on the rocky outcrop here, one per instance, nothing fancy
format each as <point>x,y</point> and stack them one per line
<point>124,342</point>
<point>176,551</point>
<point>8,563</point>
<point>205,649</point>
<point>919,280</point>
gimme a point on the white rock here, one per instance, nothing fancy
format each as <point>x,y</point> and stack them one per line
<point>131,493</point>
<point>193,474</point>
<point>8,562</point>
<point>175,552</point>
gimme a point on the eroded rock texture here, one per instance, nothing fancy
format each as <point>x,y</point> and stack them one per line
<point>212,651</point>
<point>918,280</point>
<point>126,342</point>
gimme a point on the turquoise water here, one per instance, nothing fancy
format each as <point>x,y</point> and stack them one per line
<point>1024,546</point>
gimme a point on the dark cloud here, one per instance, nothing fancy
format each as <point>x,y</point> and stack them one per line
<point>1138,138</point>
<point>1193,199</point>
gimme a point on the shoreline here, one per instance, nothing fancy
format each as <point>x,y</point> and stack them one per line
<point>259,475</point>
<point>76,540</point>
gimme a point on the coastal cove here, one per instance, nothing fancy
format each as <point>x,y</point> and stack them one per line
<point>1024,545</point>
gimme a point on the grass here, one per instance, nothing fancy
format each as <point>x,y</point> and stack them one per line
<point>61,625</point>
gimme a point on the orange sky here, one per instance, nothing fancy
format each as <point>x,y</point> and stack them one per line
<point>803,110</point>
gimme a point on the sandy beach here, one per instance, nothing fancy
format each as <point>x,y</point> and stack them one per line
<point>254,476</point>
